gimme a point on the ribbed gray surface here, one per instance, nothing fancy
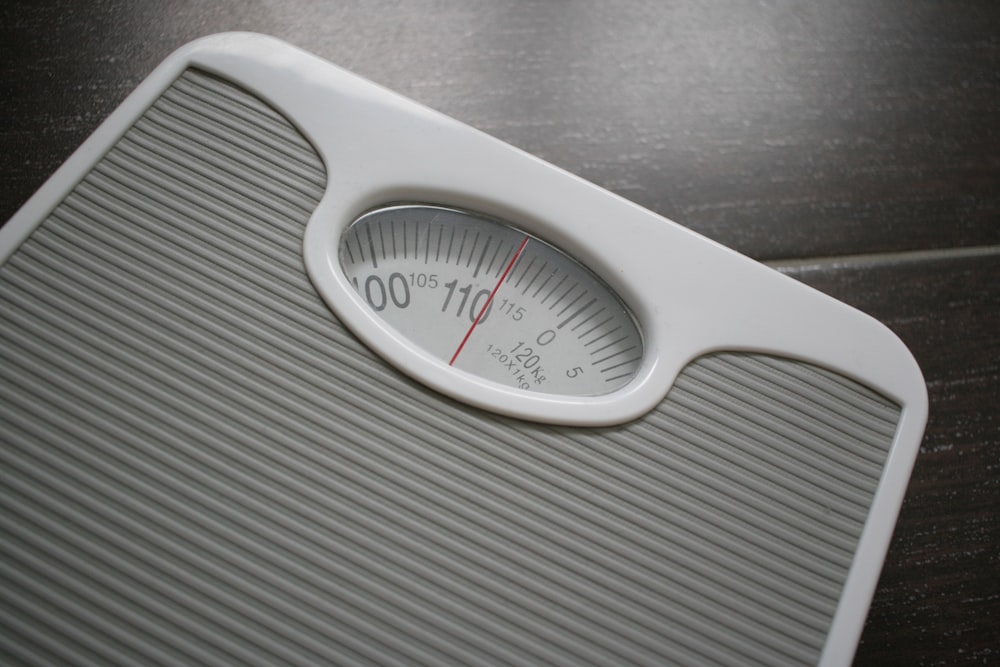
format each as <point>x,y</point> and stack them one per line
<point>201,465</point>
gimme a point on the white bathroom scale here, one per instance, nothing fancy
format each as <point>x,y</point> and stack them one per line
<point>299,372</point>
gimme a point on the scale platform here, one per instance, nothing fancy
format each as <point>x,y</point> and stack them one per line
<point>245,422</point>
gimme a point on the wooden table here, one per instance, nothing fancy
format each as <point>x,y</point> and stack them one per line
<point>853,145</point>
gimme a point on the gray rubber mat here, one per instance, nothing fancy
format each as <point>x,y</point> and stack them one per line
<point>201,465</point>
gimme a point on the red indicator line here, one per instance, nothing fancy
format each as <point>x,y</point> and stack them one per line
<point>513,261</point>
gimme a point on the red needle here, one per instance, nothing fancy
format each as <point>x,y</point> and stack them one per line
<point>513,260</point>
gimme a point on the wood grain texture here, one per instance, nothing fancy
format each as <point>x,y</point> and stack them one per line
<point>787,129</point>
<point>938,601</point>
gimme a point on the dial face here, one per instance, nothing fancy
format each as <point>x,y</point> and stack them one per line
<point>488,299</point>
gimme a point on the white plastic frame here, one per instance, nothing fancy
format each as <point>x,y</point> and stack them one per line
<point>690,295</point>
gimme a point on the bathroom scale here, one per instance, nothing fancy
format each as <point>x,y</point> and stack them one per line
<point>297,371</point>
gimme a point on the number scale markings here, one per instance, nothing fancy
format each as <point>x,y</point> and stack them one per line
<point>489,302</point>
<point>488,299</point>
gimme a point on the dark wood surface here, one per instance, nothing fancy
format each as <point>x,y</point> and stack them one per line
<point>854,145</point>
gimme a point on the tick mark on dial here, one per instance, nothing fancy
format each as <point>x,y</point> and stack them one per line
<point>510,265</point>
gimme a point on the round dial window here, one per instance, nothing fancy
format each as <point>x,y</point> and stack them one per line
<point>488,299</point>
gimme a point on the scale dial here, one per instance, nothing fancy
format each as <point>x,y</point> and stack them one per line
<point>488,299</point>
